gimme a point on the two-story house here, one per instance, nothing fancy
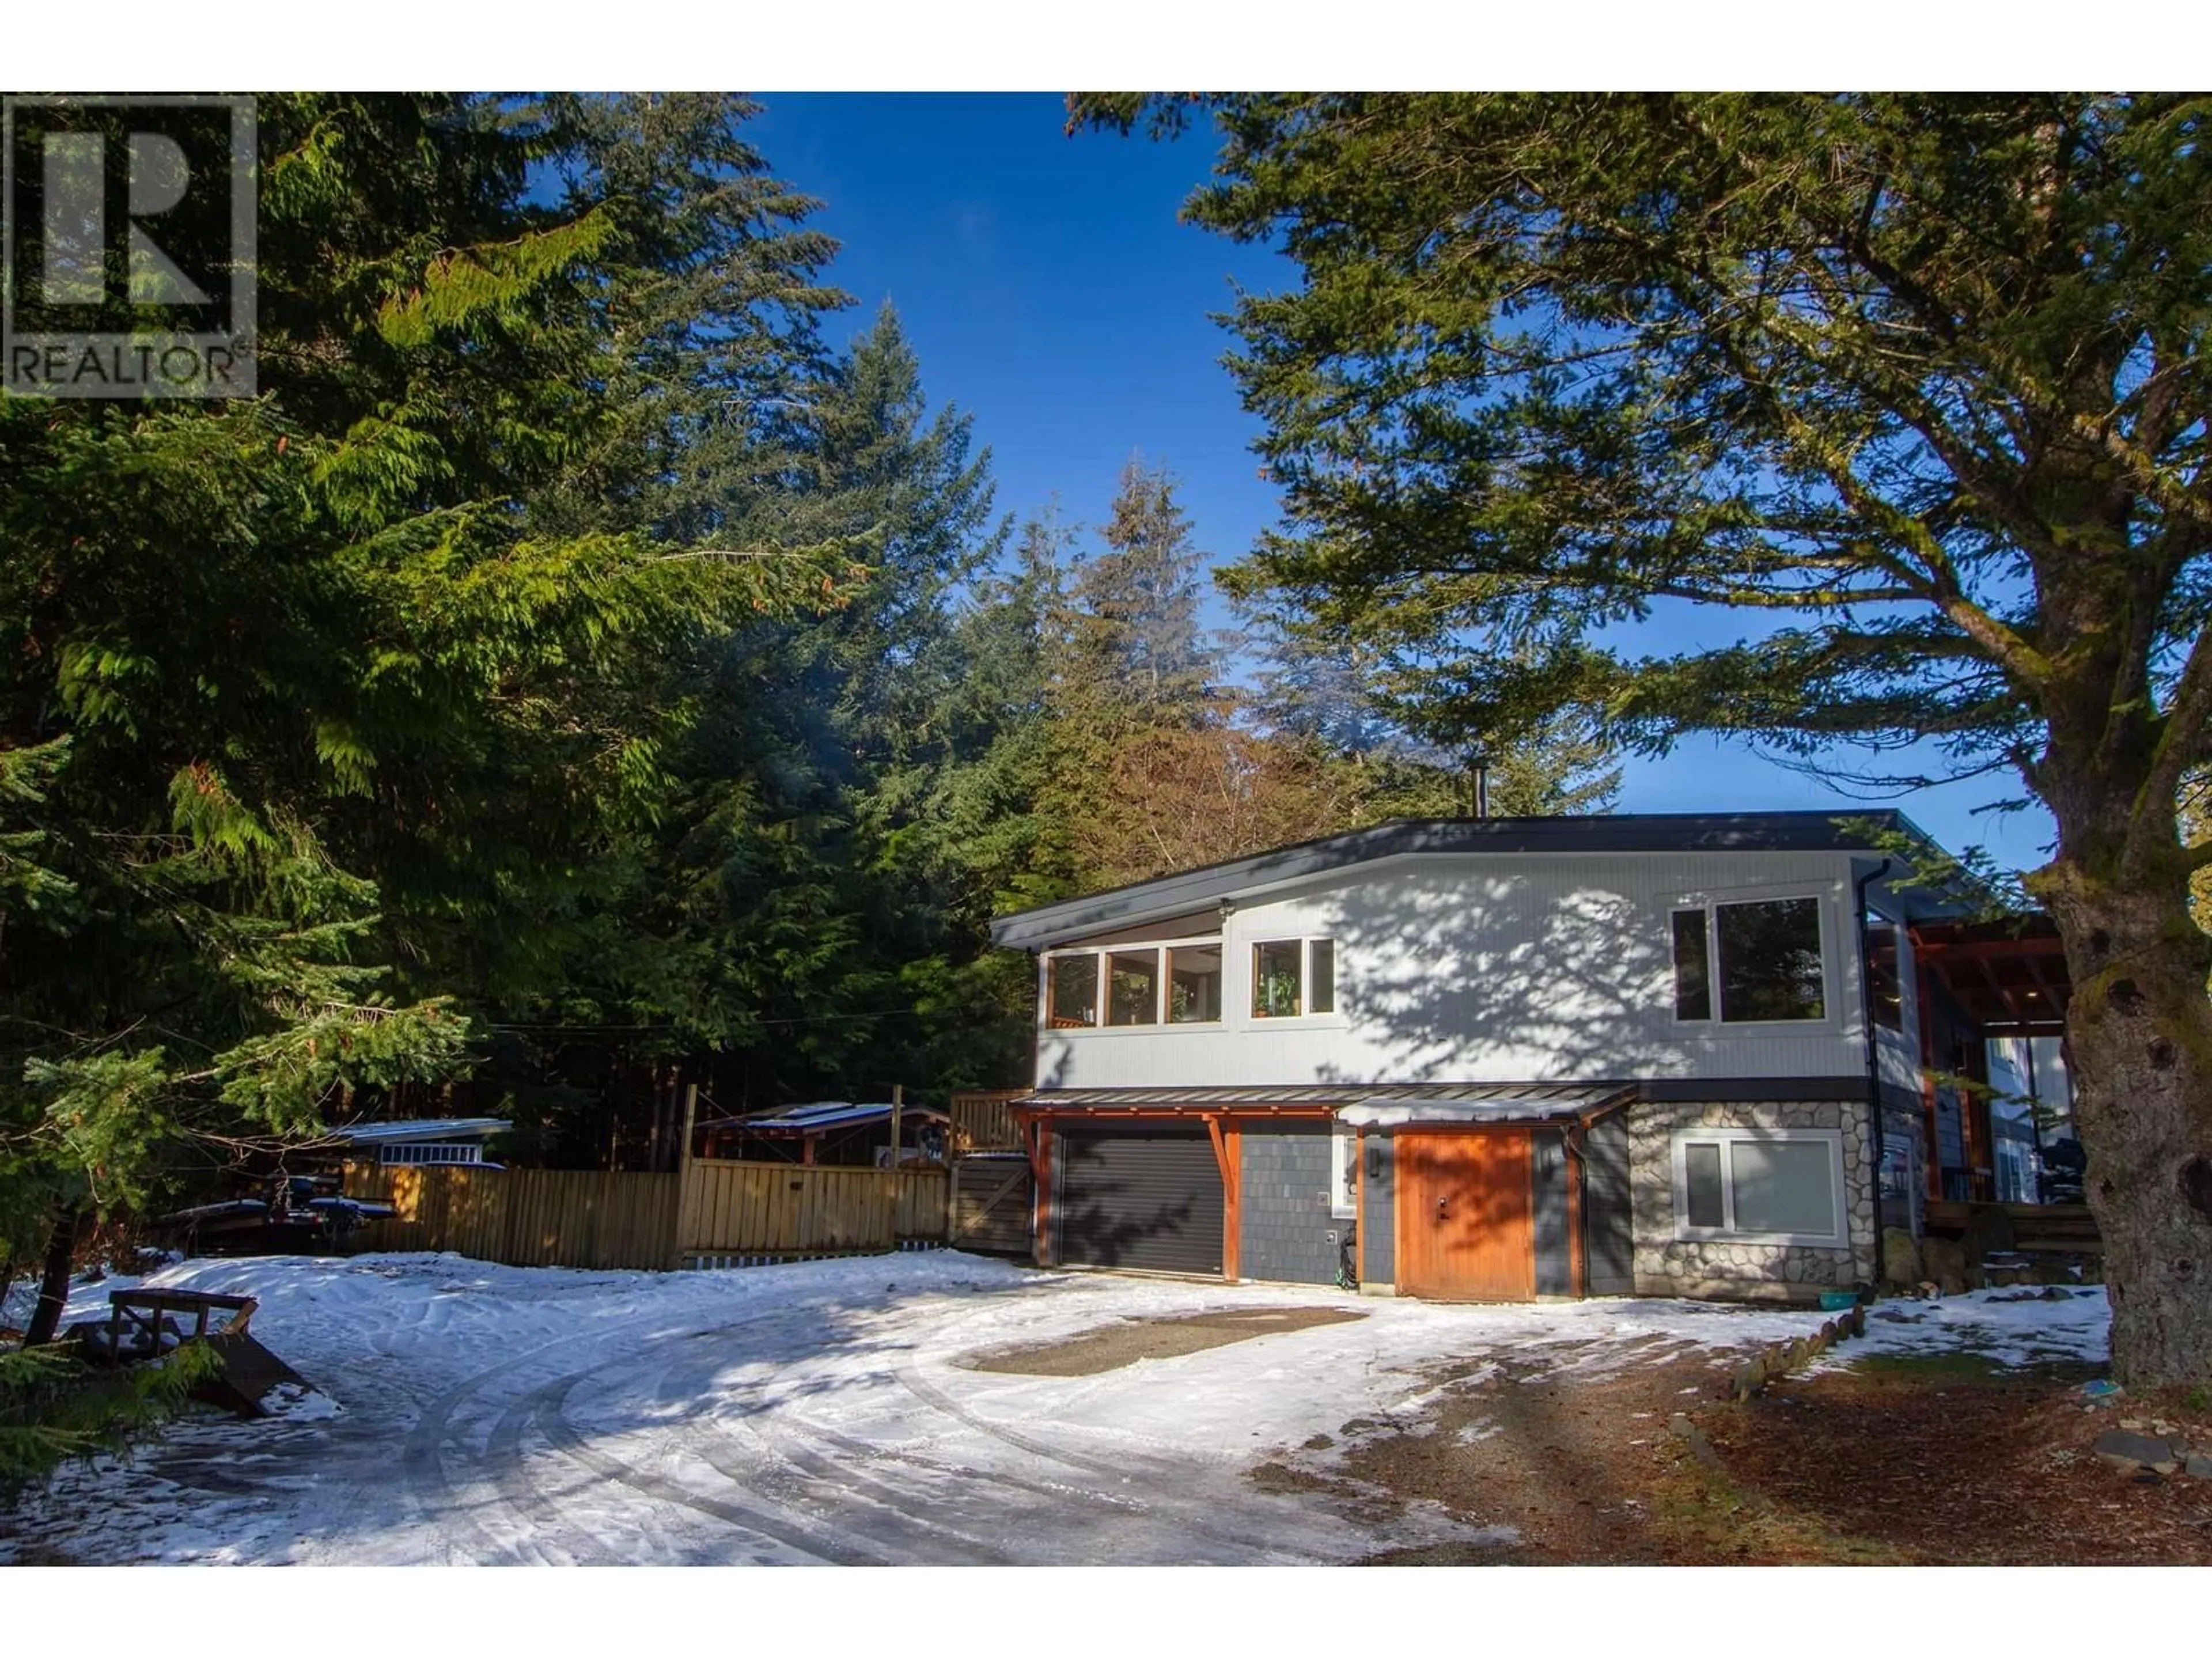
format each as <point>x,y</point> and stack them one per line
<point>1501,1058</point>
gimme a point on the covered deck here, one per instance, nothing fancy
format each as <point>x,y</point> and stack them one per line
<point>1978,981</point>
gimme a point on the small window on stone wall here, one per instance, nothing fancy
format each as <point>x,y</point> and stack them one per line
<point>1780,1186</point>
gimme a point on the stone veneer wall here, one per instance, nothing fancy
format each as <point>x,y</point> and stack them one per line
<point>1666,1266</point>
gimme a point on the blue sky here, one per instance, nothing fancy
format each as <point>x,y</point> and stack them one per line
<point>1051,293</point>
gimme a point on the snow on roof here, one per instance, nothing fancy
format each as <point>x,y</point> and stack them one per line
<point>426,1128</point>
<point>830,1114</point>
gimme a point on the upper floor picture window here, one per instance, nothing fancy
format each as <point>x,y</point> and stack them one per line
<point>1762,957</point>
<point>1176,982</point>
<point>1194,983</point>
<point>1132,996</point>
<point>1072,993</point>
<point>1693,967</point>
<point>1293,977</point>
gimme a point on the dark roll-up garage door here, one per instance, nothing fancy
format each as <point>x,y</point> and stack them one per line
<point>1149,1198</point>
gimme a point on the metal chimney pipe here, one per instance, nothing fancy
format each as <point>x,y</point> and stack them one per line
<point>1481,765</point>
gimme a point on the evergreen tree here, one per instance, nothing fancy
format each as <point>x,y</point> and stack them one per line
<point>312,731</point>
<point>1330,693</point>
<point>1137,652</point>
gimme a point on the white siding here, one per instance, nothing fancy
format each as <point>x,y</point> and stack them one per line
<point>1505,968</point>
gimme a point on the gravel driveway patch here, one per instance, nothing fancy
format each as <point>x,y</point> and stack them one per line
<point>1110,1347</point>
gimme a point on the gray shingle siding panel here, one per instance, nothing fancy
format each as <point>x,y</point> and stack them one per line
<point>1283,1230</point>
<point>1548,1158</point>
<point>1378,1237</point>
<point>1609,1259</point>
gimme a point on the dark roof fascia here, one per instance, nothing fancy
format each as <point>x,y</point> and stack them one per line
<point>1623,832</point>
<point>1203,1098</point>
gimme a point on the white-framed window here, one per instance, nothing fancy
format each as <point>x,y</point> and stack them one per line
<point>1760,961</point>
<point>1767,1186</point>
<point>1293,977</point>
<point>1343,1170</point>
<point>1172,983</point>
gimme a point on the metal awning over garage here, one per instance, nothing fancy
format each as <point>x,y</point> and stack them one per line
<point>1442,1111</point>
<point>1538,1102</point>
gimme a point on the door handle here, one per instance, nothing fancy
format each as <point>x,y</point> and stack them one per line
<point>1440,1209</point>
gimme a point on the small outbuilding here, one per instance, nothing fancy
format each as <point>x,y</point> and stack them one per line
<point>840,1132</point>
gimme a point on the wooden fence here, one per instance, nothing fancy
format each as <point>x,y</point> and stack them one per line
<point>525,1218</point>
<point>734,1208</point>
<point>990,1205</point>
<point>717,1209</point>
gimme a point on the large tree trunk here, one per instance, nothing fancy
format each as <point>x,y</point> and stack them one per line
<point>2140,1032</point>
<point>53,1291</point>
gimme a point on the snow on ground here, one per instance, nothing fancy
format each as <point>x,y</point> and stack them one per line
<point>2012,1327</point>
<point>819,1411</point>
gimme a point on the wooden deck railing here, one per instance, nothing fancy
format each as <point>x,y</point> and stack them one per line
<point>983,1121</point>
<point>2058,1228</point>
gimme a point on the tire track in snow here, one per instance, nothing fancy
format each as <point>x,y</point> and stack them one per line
<point>1190,1515</point>
<point>859,1503</point>
<point>553,1423</point>
<point>510,1476</point>
<point>832,1469</point>
<point>937,1400</point>
<point>861,1500</point>
<point>436,1495</point>
<point>1039,1486</point>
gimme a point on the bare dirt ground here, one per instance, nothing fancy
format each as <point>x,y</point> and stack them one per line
<point>1583,1467</point>
<point>1963,1463</point>
<point>1896,1460</point>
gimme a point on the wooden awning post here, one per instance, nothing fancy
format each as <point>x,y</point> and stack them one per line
<point>1226,1149</point>
<point>684,1215</point>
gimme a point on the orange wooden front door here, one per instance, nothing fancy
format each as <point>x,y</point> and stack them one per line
<point>1466,1228</point>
